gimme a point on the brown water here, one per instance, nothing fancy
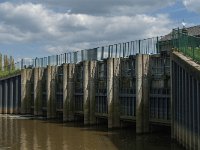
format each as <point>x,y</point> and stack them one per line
<point>27,134</point>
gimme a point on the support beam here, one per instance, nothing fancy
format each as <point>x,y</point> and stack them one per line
<point>116,102</point>
<point>26,75</point>
<point>92,90</point>
<point>65,91</point>
<point>142,93</point>
<point>48,84</point>
<point>5,109</point>
<point>16,109</point>
<point>1,98</point>
<point>38,91</point>
<point>86,100</point>
<point>51,94</point>
<point>11,111</point>
<point>112,92</point>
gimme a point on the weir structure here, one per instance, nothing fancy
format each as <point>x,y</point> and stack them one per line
<point>145,82</point>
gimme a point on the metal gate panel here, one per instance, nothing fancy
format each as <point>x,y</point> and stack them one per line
<point>127,88</point>
<point>59,88</point>
<point>101,89</point>
<point>78,103</point>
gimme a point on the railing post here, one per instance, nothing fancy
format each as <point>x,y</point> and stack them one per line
<point>158,46</point>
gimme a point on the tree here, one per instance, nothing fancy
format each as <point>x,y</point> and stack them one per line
<point>0,62</point>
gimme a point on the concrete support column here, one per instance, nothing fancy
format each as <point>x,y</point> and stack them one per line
<point>92,90</point>
<point>5,109</point>
<point>142,93</point>
<point>51,94</point>
<point>86,100</point>
<point>112,92</point>
<point>65,91</point>
<point>70,96</point>
<point>1,98</point>
<point>37,91</point>
<point>11,96</point>
<point>28,90</point>
<point>116,102</point>
<point>16,109</point>
<point>48,84</point>
<point>26,75</point>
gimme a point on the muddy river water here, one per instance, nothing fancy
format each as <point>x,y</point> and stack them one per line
<point>25,133</point>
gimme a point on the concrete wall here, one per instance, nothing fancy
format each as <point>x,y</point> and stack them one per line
<point>136,98</point>
<point>185,75</point>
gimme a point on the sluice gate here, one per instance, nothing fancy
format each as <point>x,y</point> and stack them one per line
<point>114,89</point>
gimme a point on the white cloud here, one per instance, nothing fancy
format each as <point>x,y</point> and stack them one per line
<point>193,5</point>
<point>109,7</point>
<point>58,31</point>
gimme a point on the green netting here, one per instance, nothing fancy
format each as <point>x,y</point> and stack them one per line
<point>188,45</point>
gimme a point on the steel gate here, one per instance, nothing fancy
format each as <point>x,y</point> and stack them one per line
<point>101,89</point>
<point>59,89</point>
<point>127,88</point>
<point>160,89</point>
<point>78,103</point>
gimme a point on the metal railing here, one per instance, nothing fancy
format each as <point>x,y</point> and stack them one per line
<point>145,46</point>
<point>187,44</point>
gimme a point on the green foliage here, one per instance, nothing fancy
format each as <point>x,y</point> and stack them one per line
<point>4,74</point>
<point>188,45</point>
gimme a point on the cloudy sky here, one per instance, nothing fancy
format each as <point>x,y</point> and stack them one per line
<point>37,28</point>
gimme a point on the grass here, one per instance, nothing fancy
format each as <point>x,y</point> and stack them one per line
<point>4,74</point>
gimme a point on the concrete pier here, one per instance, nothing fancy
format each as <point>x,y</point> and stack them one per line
<point>51,94</point>
<point>38,91</point>
<point>1,97</point>
<point>86,92</point>
<point>92,90</point>
<point>48,92</point>
<point>26,75</point>
<point>116,102</point>
<point>11,103</point>
<point>112,92</point>
<point>16,102</point>
<point>142,93</point>
<point>65,91</point>
<point>5,103</point>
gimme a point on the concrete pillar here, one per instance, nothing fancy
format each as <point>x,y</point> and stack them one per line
<point>65,91</point>
<point>28,90</point>
<point>116,102</point>
<point>26,75</point>
<point>86,88</point>
<point>5,109</point>
<point>48,84</point>
<point>1,98</point>
<point>11,96</point>
<point>92,90</point>
<point>110,91</point>
<point>113,92</point>
<point>142,93</point>
<point>38,91</point>
<point>16,109</point>
<point>51,94</point>
<point>70,96</point>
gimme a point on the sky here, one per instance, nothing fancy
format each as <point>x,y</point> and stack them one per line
<point>38,28</point>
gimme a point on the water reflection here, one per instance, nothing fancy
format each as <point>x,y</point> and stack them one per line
<point>27,134</point>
